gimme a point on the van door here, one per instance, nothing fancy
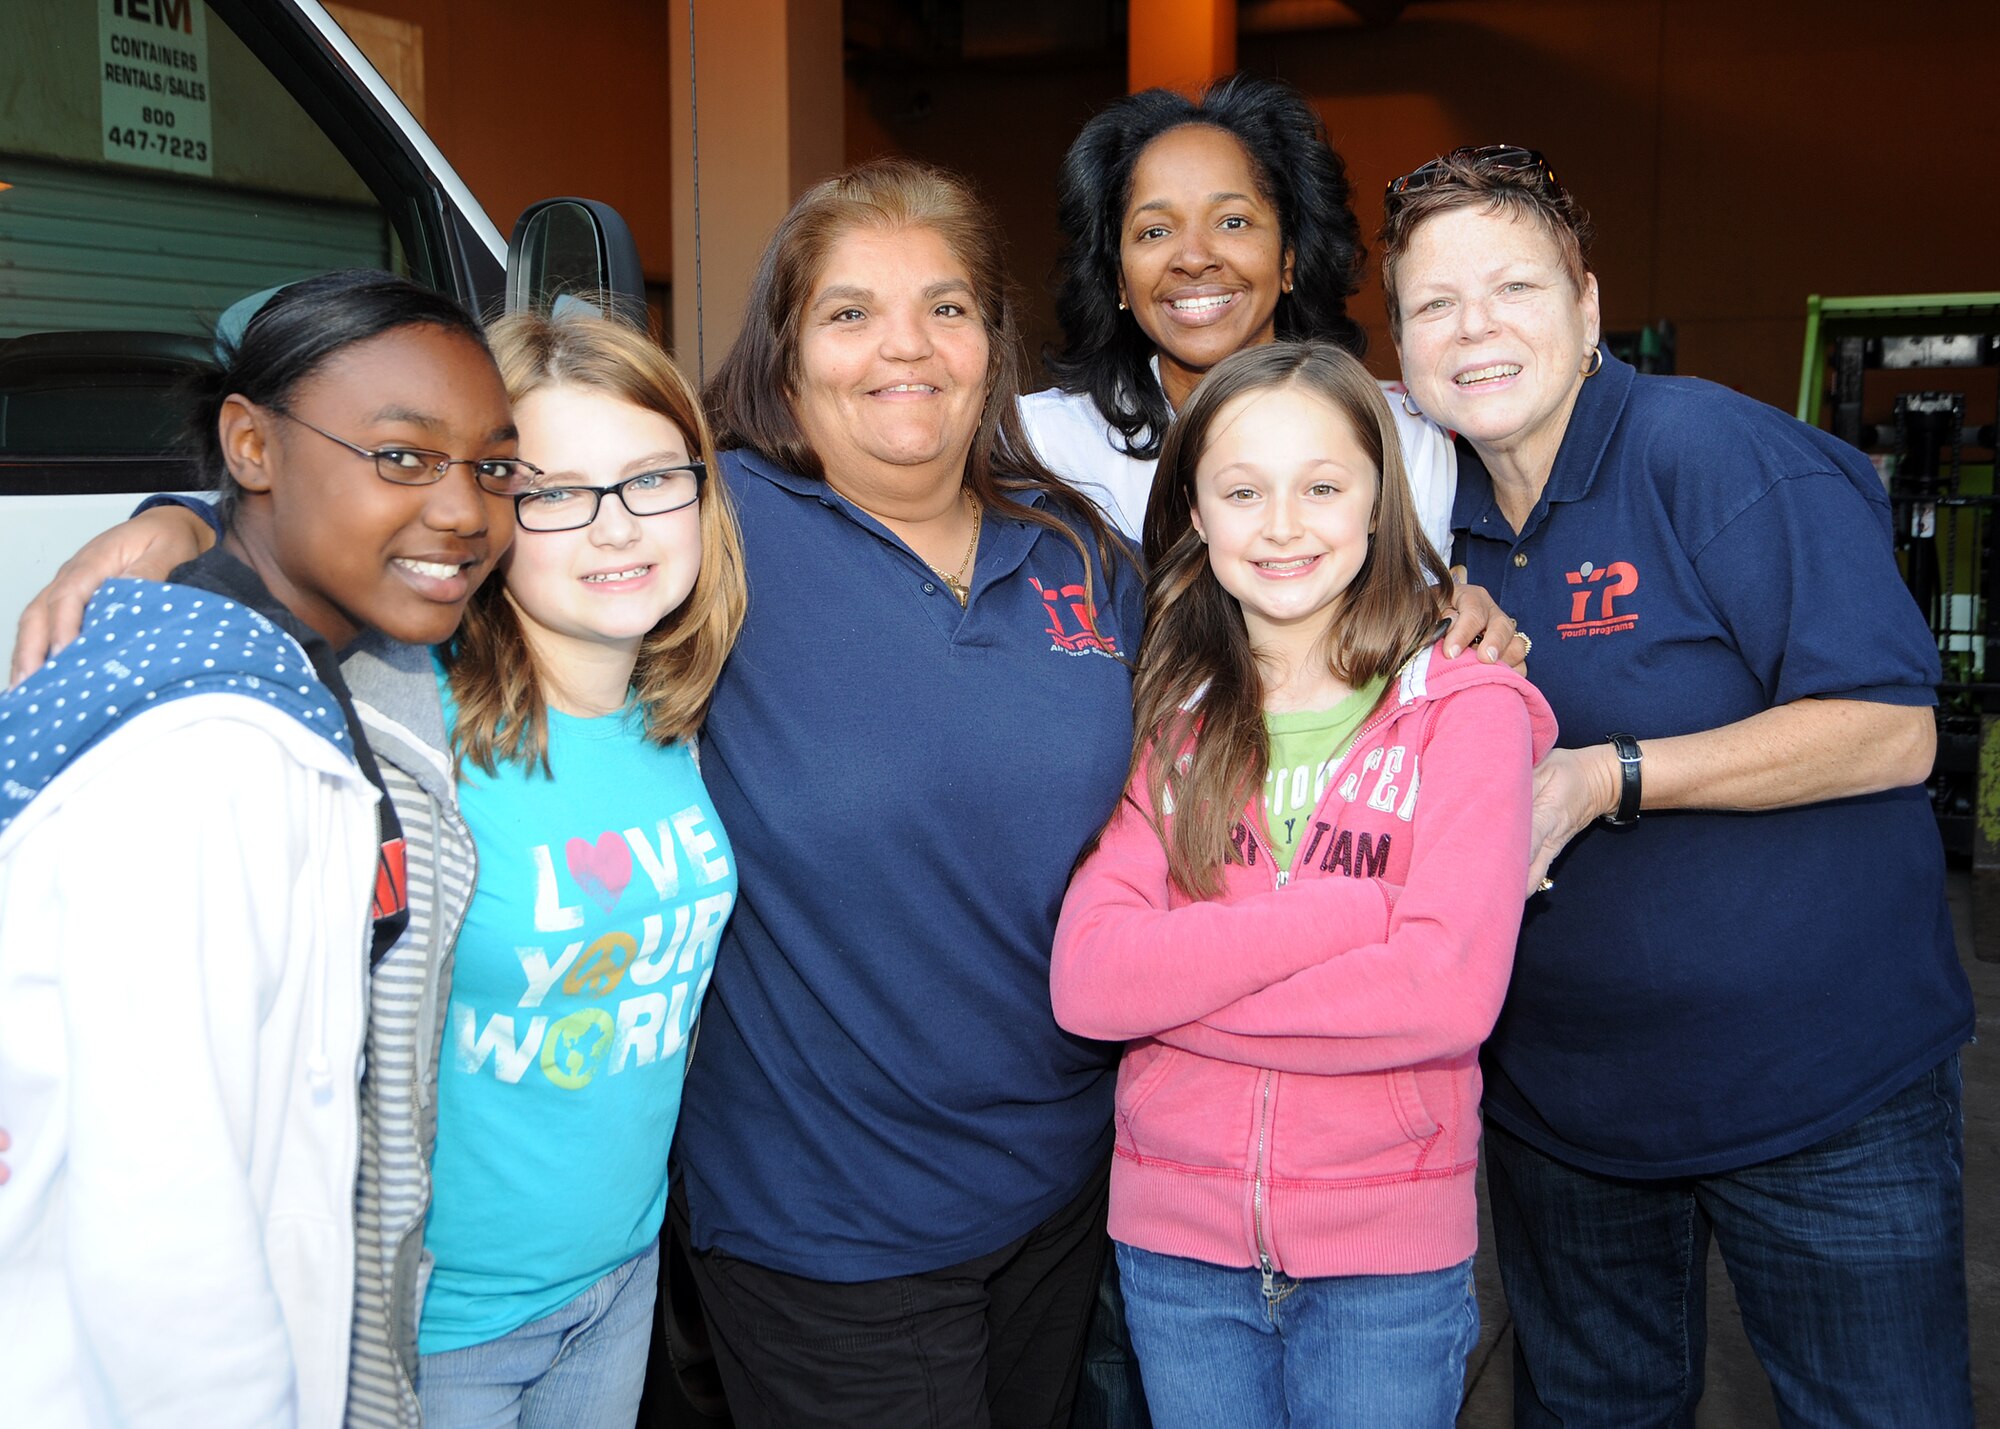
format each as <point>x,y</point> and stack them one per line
<point>160,160</point>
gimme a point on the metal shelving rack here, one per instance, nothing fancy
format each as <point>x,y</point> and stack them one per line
<point>1945,509</point>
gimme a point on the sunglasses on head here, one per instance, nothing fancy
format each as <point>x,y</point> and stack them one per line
<point>1489,156</point>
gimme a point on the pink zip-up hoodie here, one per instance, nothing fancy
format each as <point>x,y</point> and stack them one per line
<point>1301,1088</point>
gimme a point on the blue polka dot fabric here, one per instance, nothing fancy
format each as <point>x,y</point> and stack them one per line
<point>143,644</point>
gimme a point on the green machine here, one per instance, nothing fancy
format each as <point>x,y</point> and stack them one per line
<point>1936,456</point>
<point>1847,337</point>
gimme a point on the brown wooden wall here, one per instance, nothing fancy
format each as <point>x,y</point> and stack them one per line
<point>530,99</point>
<point>1736,155</point>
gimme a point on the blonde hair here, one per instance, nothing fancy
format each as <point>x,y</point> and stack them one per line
<point>498,687</point>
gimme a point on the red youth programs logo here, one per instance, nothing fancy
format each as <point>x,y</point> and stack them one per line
<point>1604,587</point>
<point>1073,620</point>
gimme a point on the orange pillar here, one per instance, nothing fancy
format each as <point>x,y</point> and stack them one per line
<point>1179,44</point>
<point>761,100</point>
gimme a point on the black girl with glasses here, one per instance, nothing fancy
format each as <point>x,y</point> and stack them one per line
<point>192,833</point>
<point>569,882</point>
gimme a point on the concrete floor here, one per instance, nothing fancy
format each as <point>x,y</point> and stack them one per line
<point>1738,1395</point>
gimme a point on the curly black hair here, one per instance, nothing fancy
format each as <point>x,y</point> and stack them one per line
<point>1104,352</point>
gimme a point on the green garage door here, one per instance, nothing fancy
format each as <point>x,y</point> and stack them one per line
<point>86,249</point>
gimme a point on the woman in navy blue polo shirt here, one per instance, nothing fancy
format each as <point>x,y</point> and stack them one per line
<point>1736,1011</point>
<point>894,1160</point>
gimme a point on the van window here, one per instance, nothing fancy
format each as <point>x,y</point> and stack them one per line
<point>159,160</point>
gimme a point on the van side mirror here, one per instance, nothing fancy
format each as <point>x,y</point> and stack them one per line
<point>578,247</point>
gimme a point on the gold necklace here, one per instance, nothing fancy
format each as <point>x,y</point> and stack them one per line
<point>957,582</point>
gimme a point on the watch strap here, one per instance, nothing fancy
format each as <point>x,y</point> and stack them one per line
<point>1629,757</point>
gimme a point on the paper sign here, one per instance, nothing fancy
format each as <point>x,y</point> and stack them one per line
<point>153,63</point>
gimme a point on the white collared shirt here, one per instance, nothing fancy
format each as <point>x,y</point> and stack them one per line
<point>1076,442</point>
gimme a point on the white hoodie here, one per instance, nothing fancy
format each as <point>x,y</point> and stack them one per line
<point>183,935</point>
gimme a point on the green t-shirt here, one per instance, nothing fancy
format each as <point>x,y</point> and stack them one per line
<point>1306,745</point>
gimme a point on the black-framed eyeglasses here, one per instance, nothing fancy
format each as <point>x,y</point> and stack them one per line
<point>418,466</point>
<point>1491,156</point>
<point>650,493</point>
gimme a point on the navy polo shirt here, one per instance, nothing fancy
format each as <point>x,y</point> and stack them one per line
<point>1706,990</point>
<point>880,1087</point>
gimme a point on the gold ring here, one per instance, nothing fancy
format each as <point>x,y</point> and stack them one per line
<point>1527,643</point>
<point>1546,885</point>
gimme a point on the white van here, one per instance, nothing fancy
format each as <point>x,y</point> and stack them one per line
<point>161,159</point>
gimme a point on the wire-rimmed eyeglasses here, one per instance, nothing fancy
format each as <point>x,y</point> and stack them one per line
<point>650,493</point>
<point>418,466</point>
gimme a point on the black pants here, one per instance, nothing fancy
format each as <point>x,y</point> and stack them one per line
<point>997,1340</point>
<point>1109,1395</point>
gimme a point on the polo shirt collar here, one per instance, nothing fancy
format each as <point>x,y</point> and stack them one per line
<point>790,480</point>
<point>816,486</point>
<point>1600,402</point>
<point>1004,546</point>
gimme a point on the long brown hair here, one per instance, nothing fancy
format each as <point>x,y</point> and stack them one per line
<point>502,710</point>
<point>751,396</point>
<point>1198,701</point>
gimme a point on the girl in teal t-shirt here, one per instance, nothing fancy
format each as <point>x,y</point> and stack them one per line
<point>574,692</point>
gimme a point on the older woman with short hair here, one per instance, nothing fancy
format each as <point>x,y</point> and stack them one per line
<point>895,1162</point>
<point>1737,1009</point>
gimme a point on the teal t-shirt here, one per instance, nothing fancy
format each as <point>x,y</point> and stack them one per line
<point>1306,746</point>
<point>581,965</point>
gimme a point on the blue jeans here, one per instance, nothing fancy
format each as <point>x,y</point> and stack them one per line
<point>1220,1345</point>
<point>582,1366</point>
<point>1848,1260</point>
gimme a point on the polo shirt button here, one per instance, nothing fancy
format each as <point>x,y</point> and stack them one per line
<point>1520,559</point>
<point>929,589</point>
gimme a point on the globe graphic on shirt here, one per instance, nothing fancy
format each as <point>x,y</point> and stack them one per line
<point>574,1046</point>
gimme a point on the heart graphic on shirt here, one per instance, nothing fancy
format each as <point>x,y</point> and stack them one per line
<point>601,869</point>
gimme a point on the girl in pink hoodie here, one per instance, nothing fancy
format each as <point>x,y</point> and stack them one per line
<point>1301,919</point>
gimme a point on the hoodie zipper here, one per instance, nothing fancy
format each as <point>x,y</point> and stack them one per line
<point>1281,877</point>
<point>1257,1184</point>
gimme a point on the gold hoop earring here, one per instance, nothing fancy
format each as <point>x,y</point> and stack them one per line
<point>1407,407</point>
<point>1594,362</point>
